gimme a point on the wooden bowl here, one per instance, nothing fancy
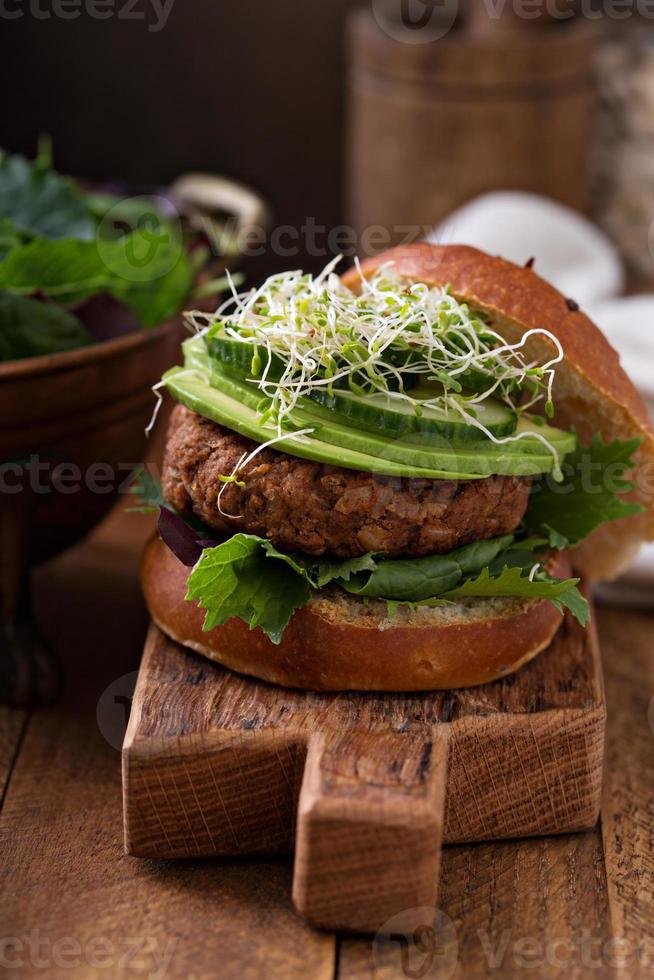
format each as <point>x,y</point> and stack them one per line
<point>73,430</point>
<point>78,419</point>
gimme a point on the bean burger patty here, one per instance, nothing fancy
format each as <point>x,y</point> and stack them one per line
<point>300,505</point>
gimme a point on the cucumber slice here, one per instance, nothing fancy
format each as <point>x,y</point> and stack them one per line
<point>243,359</point>
<point>396,417</point>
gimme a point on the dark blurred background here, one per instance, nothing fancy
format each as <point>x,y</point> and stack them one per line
<point>263,92</point>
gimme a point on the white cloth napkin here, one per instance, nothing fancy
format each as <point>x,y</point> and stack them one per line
<point>628,322</point>
<point>569,250</point>
<point>580,260</point>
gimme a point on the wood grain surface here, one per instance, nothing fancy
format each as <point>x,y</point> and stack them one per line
<point>554,902</point>
<point>12,727</point>
<point>219,764</point>
<point>628,800</point>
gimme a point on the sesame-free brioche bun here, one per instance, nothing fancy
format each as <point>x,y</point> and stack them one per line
<point>591,392</point>
<point>339,643</point>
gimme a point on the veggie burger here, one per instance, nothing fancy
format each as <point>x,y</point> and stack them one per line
<point>392,480</point>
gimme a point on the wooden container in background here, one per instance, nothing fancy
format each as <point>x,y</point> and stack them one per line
<point>434,124</point>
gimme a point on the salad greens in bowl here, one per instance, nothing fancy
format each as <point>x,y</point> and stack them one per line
<point>62,247</point>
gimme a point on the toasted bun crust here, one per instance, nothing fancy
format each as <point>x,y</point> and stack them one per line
<point>337,643</point>
<point>591,393</point>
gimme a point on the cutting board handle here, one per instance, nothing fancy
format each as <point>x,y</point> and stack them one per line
<point>370,826</point>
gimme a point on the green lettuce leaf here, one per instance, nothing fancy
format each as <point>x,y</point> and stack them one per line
<point>29,328</point>
<point>150,273</point>
<point>512,581</point>
<point>36,202</point>
<point>588,496</point>
<point>415,579</point>
<point>324,572</point>
<point>321,573</point>
<point>9,236</point>
<point>237,579</point>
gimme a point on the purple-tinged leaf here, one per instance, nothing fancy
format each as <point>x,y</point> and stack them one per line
<point>179,536</point>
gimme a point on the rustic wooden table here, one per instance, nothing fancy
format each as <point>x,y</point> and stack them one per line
<point>72,904</point>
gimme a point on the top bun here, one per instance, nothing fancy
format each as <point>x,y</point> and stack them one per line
<point>591,391</point>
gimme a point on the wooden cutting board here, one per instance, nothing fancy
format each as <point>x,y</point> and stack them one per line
<point>364,787</point>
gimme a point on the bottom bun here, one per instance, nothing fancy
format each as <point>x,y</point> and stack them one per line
<point>338,643</point>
